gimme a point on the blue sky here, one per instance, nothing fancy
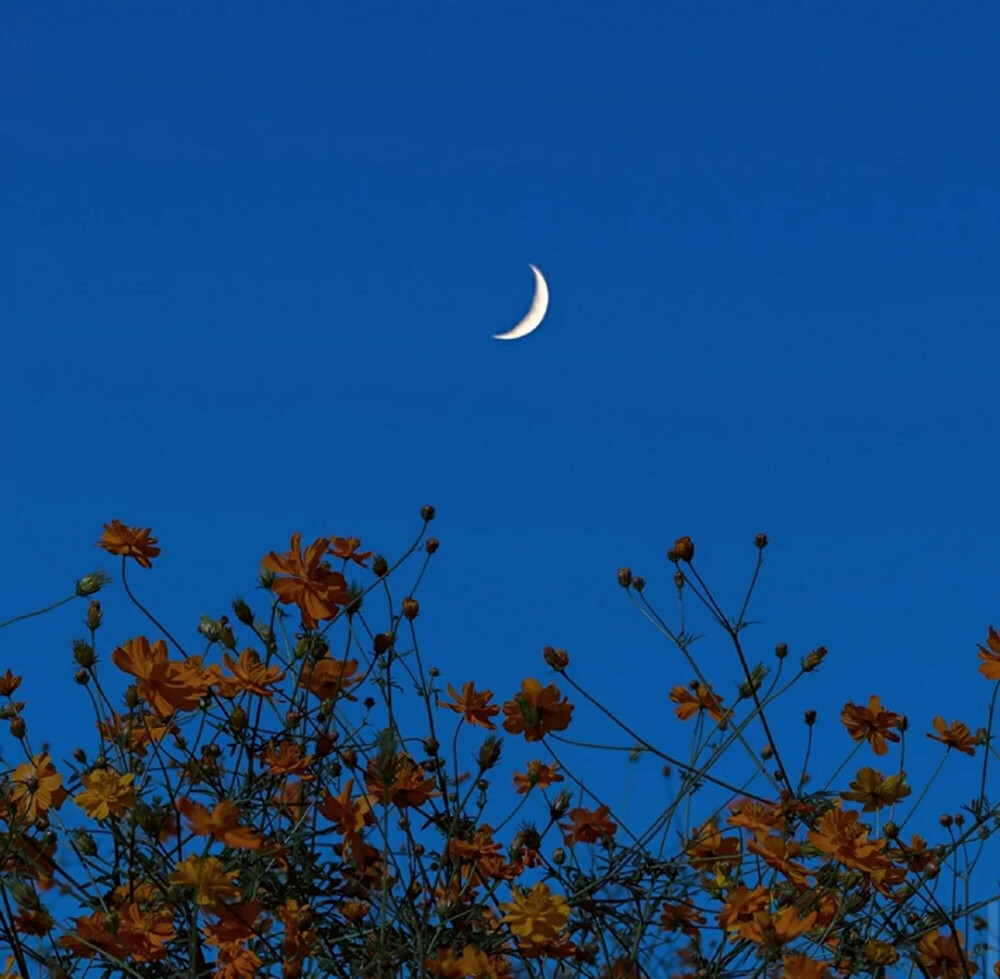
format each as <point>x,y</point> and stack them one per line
<point>254,255</point>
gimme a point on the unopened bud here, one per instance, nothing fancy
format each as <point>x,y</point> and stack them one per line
<point>132,698</point>
<point>560,804</point>
<point>639,583</point>
<point>81,676</point>
<point>891,831</point>
<point>80,755</point>
<point>427,513</point>
<point>489,752</point>
<point>84,653</point>
<point>84,843</point>
<point>683,550</point>
<point>432,545</point>
<point>556,658</point>
<point>349,757</point>
<point>810,717</point>
<point>411,608</point>
<point>813,659</point>
<point>17,727</point>
<point>383,641</point>
<point>94,615</point>
<point>945,820</point>
<point>380,566</point>
<point>624,577</point>
<point>558,856</point>
<point>678,580</point>
<point>90,584</point>
<point>242,611</point>
<point>767,752</point>
<point>760,541</point>
<point>237,719</point>
<point>781,650</point>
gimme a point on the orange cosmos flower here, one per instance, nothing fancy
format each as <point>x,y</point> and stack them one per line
<point>875,790</point>
<point>796,966</point>
<point>406,785</point>
<point>871,722</point>
<point>708,849</point>
<point>942,957</point>
<point>9,683</point>
<point>474,706</point>
<point>346,548</point>
<point>536,711</point>
<point>308,581</point>
<point>955,735</point>
<point>682,917</point>
<point>287,759</point>
<point>166,685</point>
<point>536,915</point>
<point>990,667</point>
<point>222,823</point>
<point>36,787</point>
<point>586,826</point>
<point>106,793</point>
<point>537,774</point>
<point>249,674</point>
<point>778,852</point>
<point>701,699</point>
<point>757,817</point>
<point>211,882</point>
<point>741,908</point>
<point>129,542</point>
<point>330,678</point>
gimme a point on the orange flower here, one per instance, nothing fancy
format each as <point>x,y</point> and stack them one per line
<point>871,722</point>
<point>9,683</point>
<point>777,852</point>
<point>796,966</point>
<point>943,958</point>
<point>329,678</point>
<point>682,917</point>
<point>164,684</point>
<point>309,582</point>
<point>536,915</point>
<point>36,787</point>
<point>875,790</point>
<point>990,667</point>
<point>208,878</point>
<point>537,774</point>
<point>287,759</point>
<point>222,823</point>
<point>346,548</point>
<point>129,542</point>
<point>475,706</point>
<point>106,793</point>
<point>249,674</point>
<point>955,735</point>
<point>702,699</point>
<point>586,826</point>
<point>741,908</point>
<point>843,836</point>
<point>759,818</point>
<point>406,784</point>
<point>708,849</point>
<point>536,710</point>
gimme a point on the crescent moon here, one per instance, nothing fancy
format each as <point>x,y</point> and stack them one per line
<point>535,314</point>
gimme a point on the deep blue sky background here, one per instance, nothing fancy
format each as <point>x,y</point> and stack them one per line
<point>254,254</point>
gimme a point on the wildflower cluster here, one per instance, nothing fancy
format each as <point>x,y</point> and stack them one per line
<point>262,807</point>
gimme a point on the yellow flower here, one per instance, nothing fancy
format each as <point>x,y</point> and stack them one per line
<point>106,793</point>
<point>536,915</point>
<point>209,879</point>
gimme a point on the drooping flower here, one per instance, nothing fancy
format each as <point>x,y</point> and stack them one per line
<point>129,542</point>
<point>955,735</point>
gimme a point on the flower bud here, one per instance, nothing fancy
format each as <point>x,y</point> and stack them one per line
<point>624,577</point>
<point>891,831</point>
<point>431,746</point>
<point>237,720</point>
<point>810,717</point>
<point>383,641</point>
<point>558,856</point>
<point>380,566</point>
<point>781,650</point>
<point>560,804</point>
<point>84,653</point>
<point>80,755</point>
<point>292,718</point>
<point>760,541</point>
<point>266,577</point>
<point>639,583</point>
<point>813,659</point>
<point>81,677</point>
<point>556,658</point>
<point>242,611</point>
<point>349,757</point>
<point>427,513</point>
<point>411,608</point>
<point>325,743</point>
<point>92,583</point>
<point>945,820</point>
<point>433,672</point>
<point>432,545</point>
<point>94,615</point>
<point>84,843</point>
<point>683,550</point>
<point>678,580</point>
<point>489,752</point>
<point>17,727</point>
<point>767,752</point>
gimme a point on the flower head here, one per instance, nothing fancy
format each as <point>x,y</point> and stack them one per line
<point>129,542</point>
